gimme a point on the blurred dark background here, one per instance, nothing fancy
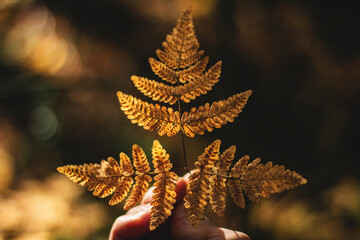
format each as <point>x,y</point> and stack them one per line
<point>62,61</point>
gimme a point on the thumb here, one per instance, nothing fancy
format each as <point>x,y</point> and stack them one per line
<point>134,224</point>
<point>182,229</point>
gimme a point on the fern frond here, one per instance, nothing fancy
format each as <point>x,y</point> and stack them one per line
<point>207,117</point>
<point>235,184</point>
<point>196,197</point>
<point>142,179</point>
<point>209,156</point>
<point>164,72</point>
<point>84,175</point>
<point>201,85</point>
<point>151,117</point>
<point>155,90</point>
<point>138,191</point>
<point>193,72</point>
<point>169,94</point>
<point>164,192</point>
<point>182,45</point>
<point>110,177</point>
<point>140,161</point>
<point>172,45</point>
<point>178,62</point>
<point>169,75</point>
<point>259,180</point>
<point>125,181</point>
<point>217,193</point>
<point>103,179</point>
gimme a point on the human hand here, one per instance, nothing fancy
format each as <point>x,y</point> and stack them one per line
<point>135,223</point>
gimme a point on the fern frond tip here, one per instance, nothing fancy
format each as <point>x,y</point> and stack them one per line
<point>61,169</point>
<point>248,93</point>
<point>303,181</point>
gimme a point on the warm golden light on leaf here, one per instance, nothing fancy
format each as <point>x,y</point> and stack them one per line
<point>180,63</point>
<point>255,179</point>
<point>111,177</point>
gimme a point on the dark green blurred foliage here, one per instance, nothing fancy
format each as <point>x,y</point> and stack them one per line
<point>61,63</point>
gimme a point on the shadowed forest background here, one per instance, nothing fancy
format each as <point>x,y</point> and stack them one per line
<point>62,61</point>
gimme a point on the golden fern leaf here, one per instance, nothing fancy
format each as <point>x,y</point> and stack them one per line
<point>164,192</point>
<point>139,189</point>
<point>259,180</point>
<point>142,179</point>
<point>103,179</point>
<point>206,117</point>
<point>169,75</point>
<point>178,44</point>
<point>85,175</point>
<point>235,185</point>
<point>156,91</point>
<point>169,94</point>
<point>176,62</point>
<point>191,73</point>
<point>140,161</point>
<point>125,182</point>
<point>217,193</point>
<point>197,189</point>
<point>164,72</point>
<point>150,117</point>
<point>182,45</point>
<point>181,52</point>
<point>175,45</point>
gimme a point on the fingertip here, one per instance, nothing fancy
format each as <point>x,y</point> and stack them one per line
<point>187,175</point>
<point>131,225</point>
<point>231,234</point>
<point>148,196</point>
<point>180,189</point>
<point>137,209</point>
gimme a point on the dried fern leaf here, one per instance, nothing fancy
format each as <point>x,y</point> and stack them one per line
<point>164,196</point>
<point>151,117</point>
<point>164,72</point>
<point>259,180</point>
<point>155,90</point>
<point>181,46</point>
<point>217,193</point>
<point>103,179</point>
<point>142,179</point>
<point>207,117</point>
<point>138,191</point>
<point>169,75</point>
<point>176,62</point>
<point>169,94</point>
<point>193,72</point>
<point>196,197</point>
<point>201,85</point>
<point>85,175</point>
<point>125,182</point>
<point>141,163</point>
<point>173,46</point>
<point>235,185</point>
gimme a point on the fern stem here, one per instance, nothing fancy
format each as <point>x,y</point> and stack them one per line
<point>179,108</point>
<point>206,172</point>
<point>184,151</point>
<point>224,176</point>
